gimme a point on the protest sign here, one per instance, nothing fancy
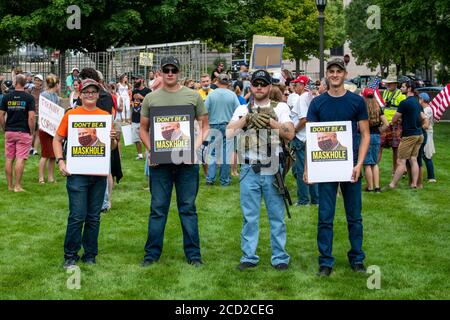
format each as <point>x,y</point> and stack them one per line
<point>267,53</point>
<point>329,151</point>
<point>127,136</point>
<point>89,144</point>
<point>50,115</point>
<point>172,134</point>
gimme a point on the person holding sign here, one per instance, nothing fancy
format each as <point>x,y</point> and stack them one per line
<point>47,154</point>
<point>164,176</point>
<point>86,192</point>
<point>261,123</point>
<point>339,104</point>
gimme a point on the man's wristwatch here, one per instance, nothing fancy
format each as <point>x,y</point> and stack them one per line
<point>58,160</point>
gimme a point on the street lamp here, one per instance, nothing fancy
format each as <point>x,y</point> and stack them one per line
<point>321,4</point>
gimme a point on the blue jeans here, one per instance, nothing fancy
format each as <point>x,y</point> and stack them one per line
<point>161,181</point>
<point>252,188</point>
<point>303,190</point>
<point>86,195</point>
<point>327,205</point>
<point>430,167</point>
<point>219,148</point>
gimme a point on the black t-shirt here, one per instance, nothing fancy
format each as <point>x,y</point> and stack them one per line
<point>411,120</point>
<point>17,104</point>
<point>137,104</point>
<point>104,102</point>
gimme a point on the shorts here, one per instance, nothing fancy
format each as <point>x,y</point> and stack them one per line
<point>391,137</point>
<point>374,149</point>
<point>17,145</point>
<point>135,132</point>
<point>409,147</point>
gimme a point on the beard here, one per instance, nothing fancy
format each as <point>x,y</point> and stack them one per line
<point>261,95</point>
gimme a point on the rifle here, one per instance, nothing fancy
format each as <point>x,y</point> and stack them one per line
<point>279,180</point>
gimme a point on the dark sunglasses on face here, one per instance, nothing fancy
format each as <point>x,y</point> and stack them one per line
<point>262,84</point>
<point>168,70</point>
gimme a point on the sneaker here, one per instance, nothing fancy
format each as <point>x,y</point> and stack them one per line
<point>88,260</point>
<point>368,190</point>
<point>246,265</point>
<point>324,271</point>
<point>359,267</point>
<point>209,183</point>
<point>195,262</point>
<point>147,263</point>
<point>432,180</point>
<point>31,150</point>
<point>69,263</point>
<point>281,266</point>
<point>301,204</point>
<point>139,157</point>
<point>377,190</point>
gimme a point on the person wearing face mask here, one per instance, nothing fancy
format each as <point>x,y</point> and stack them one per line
<point>87,137</point>
<point>85,192</point>
<point>139,93</point>
<point>327,141</point>
<point>205,90</point>
<point>172,131</point>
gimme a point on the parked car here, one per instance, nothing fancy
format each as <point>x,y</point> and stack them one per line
<point>432,91</point>
<point>417,81</point>
<point>363,81</point>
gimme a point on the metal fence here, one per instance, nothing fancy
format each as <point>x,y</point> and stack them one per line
<point>114,62</point>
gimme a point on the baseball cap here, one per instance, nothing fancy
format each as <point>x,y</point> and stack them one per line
<point>137,76</point>
<point>170,60</point>
<point>368,92</point>
<point>301,79</point>
<point>89,82</point>
<point>262,75</point>
<point>39,76</point>
<point>424,96</point>
<point>75,68</point>
<point>224,78</point>
<point>336,62</point>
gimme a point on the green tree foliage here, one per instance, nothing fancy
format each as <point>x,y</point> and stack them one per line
<point>413,33</point>
<point>297,22</point>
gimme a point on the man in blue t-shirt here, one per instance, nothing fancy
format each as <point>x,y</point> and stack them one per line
<point>338,104</point>
<point>220,104</point>
<point>413,117</point>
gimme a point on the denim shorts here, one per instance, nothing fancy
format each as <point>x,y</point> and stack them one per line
<point>374,149</point>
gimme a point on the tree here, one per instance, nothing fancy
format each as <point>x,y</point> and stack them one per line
<point>298,23</point>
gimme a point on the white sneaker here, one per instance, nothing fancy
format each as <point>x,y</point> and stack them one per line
<point>139,157</point>
<point>432,180</point>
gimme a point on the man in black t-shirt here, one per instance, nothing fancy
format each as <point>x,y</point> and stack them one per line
<point>19,130</point>
<point>139,93</point>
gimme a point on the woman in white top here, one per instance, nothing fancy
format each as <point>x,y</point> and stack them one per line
<point>122,89</point>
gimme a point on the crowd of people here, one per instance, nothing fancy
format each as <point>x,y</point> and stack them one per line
<point>229,113</point>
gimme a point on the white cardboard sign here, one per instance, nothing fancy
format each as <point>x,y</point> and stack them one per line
<point>89,144</point>
<point>329,151</point>
<point>50,116</point>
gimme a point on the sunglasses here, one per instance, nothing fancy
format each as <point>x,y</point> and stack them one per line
<point>261,84</point>
<point>168,70</point>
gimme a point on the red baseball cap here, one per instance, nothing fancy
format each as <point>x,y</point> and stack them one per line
<point>368,92</point>
<point>301,79</point>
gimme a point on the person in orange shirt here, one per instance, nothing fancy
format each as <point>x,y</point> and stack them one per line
<point>85,193</point>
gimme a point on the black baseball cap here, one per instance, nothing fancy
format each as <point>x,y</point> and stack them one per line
<point>170,60</point>
<point>262,75</point>
<point>336,62</point>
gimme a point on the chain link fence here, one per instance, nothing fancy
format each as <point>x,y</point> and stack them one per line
<point>112,63</point>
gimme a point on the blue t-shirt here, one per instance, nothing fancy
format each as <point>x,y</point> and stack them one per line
<point>349,107</point>
<point>242,100</point>
<point>221,104</point>
<point>410,109</point>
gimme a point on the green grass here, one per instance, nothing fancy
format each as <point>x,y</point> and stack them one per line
<point>406,234</point>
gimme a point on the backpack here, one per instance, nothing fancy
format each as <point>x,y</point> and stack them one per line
<point>374,115</point>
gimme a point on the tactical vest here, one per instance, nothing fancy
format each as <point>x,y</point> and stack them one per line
<point>254,139</point>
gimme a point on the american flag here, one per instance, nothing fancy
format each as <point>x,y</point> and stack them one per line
<point>374,85</point>
<point>440,103</point>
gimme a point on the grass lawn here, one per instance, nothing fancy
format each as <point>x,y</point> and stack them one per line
<point>406,234</point>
